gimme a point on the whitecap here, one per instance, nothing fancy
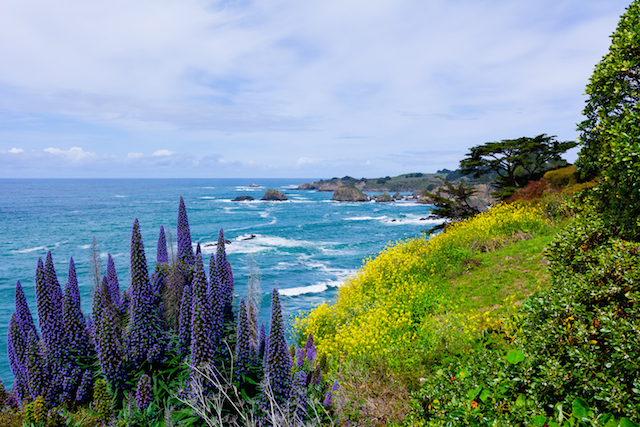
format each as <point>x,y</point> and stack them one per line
<point>365,218</point>
<point>84,247</point>
<point>206,197</point>
<point>311,289</point>
<point>119,196</point>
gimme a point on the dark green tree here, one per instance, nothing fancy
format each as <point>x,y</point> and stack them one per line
<point>455,205</point>
<point>516,161</point>
<point>610,133</point>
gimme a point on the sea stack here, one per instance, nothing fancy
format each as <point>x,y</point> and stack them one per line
<point>274,195</point>
<point>349,194</point>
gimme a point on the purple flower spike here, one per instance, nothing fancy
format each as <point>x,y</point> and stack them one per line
<point>143,334</point>
<point>277,369</point>
<point>162,257</point>
<point>74,321</point>
<point>49,304</point>
<point>202,350</point>
<point>298,399</point>
<point>263,342</point>
<point>185,250</point>
<point>245,351</point>
<point>38,377</point>
<point>144,392</point>
<point>184,321</point>
<point>112,284</point>
<point>300,355</point>
<point>18,352</point>
<point>198,249</point>
<point>85,389</point>
<point>23,312</point>
<point>108,345</point>
<point>328,398</point>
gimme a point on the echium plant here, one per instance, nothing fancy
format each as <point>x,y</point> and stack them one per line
<point>144,392</point>
<point>224,277</point>
<point>184,321</point>
<point>21,326</point>
<point>185,249</point>
<point>202,344</point>
<point>143,338</point>
<point>49,304</point>
<point>277,370</point>
<point>80,348</point>
<point>108,344</point>
<point>162,256</point>
<point>113,286</point>
<point>245,350</point>
<point>215,301</point>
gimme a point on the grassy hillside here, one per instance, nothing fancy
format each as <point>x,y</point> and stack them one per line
<point>524,315</point>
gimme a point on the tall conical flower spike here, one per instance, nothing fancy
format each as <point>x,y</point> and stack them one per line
<point>185,250</point>
<point>162,256</point>
<point>108,345</point>
<point>23,312</point>
<point>49,304</point>
<point>74,321</point>
<point>143,334</point>
<point>112,284</point>
<point>263,342</point>
<point>184,322</point>
<point>18,352</point>
<point>202,345</point>
<point>144,392</point>
<point>245,351</point>
<point>198,249</point>
<point>277,360</point>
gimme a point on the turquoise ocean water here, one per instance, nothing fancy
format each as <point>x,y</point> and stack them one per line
<point>305,247</point>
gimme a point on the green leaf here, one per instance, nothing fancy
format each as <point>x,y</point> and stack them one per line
<point>539,420</point>
<point>485,395</point>
<point>515,356</point>
<point>520,400</point>
<point>626,422</point>
<point>580,409</point>
<point>473,393</point>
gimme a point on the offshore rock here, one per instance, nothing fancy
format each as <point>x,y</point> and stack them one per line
<point>384,198</point>
<point>274,195</point>
<point>349,194</point>
<point>242,199</point>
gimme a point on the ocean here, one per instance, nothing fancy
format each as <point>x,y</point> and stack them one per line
<point>304,247</point>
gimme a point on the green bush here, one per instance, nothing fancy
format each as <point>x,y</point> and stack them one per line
<point>574,351</point>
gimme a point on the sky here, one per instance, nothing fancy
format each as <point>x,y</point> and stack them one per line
<point>286,89</point>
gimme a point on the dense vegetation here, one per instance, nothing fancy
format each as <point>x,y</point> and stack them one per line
<point>426,335</point>
<point>172,349</point>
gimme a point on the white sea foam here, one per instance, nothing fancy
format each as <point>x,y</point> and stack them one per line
<point>119,196</point>
<point>311,289</point>
<point>84,247</point>
<point>207,188</point>
<point>365,218</point>
<point>206,197</point>
<point>254,243</point>
<point>39,248</point>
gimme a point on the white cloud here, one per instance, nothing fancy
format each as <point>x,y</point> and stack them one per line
<point>305,161</point>
<point>75,154</point>
<point>135,156</point>
<point>163,153</point>
<point>16,150</point>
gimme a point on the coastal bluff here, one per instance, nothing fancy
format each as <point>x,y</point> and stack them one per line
<point>349,194</point>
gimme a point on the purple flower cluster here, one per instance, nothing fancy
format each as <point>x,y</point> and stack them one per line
<point>162,257</point>
<point>108,343</point>
<point>245,350</point>
<point>184,321</point>
<point>113,287</point>
<point>143,339</point>
<point>202,346</point>
<point>277,361</point>
<point>298,398</point>
<point>144,392</point>
<point>49,304</point>
<point>224,278</point>
<point>185,250</point>
<point>80,348</point>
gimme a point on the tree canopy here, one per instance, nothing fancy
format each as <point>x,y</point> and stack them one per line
<point>454,205</point>
<point>610,133</point>
<point>516,161</point>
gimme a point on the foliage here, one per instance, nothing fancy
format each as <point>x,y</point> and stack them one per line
<point>571,356</point>
<point>131,364</point>
<point>610,133</point>
<point>455,207</point>
<point>516,161</point>
<point>394,310</point>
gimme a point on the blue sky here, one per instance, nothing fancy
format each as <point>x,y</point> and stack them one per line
<point>240,88</point>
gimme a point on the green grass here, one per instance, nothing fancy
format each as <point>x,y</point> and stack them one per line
<point>487,279</point>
